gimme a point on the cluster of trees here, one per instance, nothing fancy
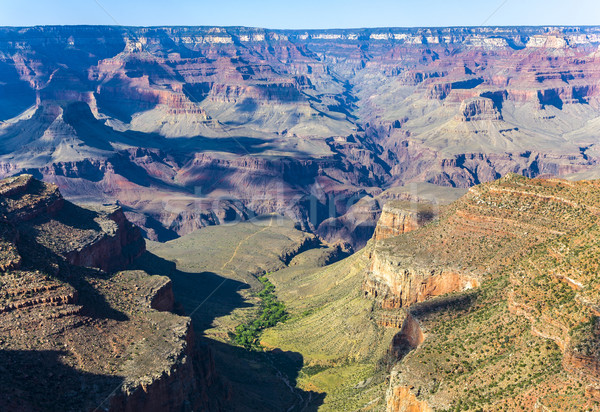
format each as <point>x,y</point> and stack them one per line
<point>272,311</point>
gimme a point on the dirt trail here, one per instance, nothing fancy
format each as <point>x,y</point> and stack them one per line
<point>300,403</point>
<point>243,241</point>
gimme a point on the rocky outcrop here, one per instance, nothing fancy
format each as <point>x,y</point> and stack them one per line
<point>109,243</point>
<point>178,386</point>
<point>9,254</point>
<point>120,240</point>
<point>402,399</point>
<point>157,293</point>
<point>306,243</point>
<point>395,283</point>
<point>24,199</point>
<point>479,109</point>
<point>402,217</point>
<point>80,338</point>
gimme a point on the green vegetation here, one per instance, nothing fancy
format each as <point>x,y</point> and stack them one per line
<point>481,357</point>
<point>334,328</point>
<point>272,311</point>
<point>535,245</point>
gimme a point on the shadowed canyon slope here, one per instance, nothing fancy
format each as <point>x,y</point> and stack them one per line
<point>74,337</point>
<point>188,127</point>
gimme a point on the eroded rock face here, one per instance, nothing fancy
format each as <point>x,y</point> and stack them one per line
<point>179,379</point>
<point>402,217</point>
<point>395,285</point>
<point>195,126</point>
<point>102,238</point>
<point>401,399</point>
<point>479,109</point>
<point>76,337</point>
<point>122,241</point>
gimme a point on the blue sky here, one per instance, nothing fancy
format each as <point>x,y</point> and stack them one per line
<point>306,14</point>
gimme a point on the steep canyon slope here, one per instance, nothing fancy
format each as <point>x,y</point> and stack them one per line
<point>194,126</point>
<point>74,337</point>
<point>501,298</point>
<point>492,305</point>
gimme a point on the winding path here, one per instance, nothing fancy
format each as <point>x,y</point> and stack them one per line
<point>237,248</point>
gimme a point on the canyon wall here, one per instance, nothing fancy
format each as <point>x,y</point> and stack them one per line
<point>193,126</point>
<point>402,217</point>
<point>401,399</point>
<point>524,247</point>
<point>396,283</point>
<point>108,338</point>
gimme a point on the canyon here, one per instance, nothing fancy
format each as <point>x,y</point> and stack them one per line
<point>193,126</point>
<point>486,302</point>
<point>422,200</point>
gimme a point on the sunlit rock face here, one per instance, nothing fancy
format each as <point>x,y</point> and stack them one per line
<point>524,247</point>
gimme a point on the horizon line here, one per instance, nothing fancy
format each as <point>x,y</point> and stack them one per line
<point>303,29</point>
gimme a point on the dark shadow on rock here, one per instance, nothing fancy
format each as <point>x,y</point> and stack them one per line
<point>40,381</point>
<point>207,296</point>
<point>550,97</point>
<point>410,335</point>
<point>204,295</point>
<point>94,304</point>
<point>16,95</point>
<point>248,105</point>
<point>148,224</point>
<point>453,302</point>
<point>77,217</point>
<point>259,381</point>
<point>263,381</point>
<point>154,265</point>
<point>39,257</point>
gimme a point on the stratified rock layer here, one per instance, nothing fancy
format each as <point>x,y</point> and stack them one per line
<point>402,217</point>
<point>194,126</point>
<point>512,261</point>
<point>75,337</point>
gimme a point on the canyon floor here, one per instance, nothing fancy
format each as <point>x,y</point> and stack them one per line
<point>215,280</point>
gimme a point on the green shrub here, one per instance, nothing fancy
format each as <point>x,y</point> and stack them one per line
<point>272,311</point>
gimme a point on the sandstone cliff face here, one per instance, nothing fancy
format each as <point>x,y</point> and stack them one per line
<point>402,217</point>
<point>401,399</point>
<point>395,283</point>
